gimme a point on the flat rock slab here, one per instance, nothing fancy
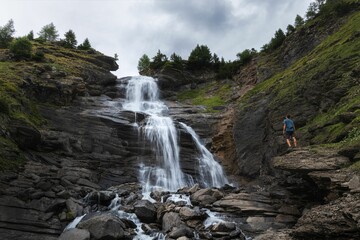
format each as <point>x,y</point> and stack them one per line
<point>309,160</point>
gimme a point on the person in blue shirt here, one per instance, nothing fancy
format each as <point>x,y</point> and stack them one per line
<point>288,130</point>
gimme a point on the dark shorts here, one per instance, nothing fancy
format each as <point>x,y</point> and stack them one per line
<point>289,134</point>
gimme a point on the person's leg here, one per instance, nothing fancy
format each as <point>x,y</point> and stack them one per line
<point>288,138</point>
<point>288,142</point>
<point>294,139</point>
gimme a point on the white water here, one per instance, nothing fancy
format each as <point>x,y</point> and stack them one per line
<point>210,171</point>
<point>74,223</point>
<point>140,234</point>
<point>165,173</point>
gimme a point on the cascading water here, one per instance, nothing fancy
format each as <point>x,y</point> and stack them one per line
<point>165,173</point>
<point>210,172</point>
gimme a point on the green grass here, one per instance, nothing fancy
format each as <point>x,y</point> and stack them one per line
<point>211,95</point>
<point>331,67</point>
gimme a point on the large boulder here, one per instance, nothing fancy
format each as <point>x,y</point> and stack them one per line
<point>145,211</point>
<point>75,234</point>
<point>103,226</point>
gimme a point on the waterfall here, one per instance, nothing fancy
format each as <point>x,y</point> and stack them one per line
<point>165,173</point>
<point>210,171</point>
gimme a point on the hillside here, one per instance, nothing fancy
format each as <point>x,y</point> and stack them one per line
<point>57,79</point>
<point>317,83</point>
<point>69,147</point>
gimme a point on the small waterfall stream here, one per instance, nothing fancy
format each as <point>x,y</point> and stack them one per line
<point>142,95</point>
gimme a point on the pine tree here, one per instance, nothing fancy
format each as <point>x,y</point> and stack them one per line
<point>85,45</point>
<point>30,36</point>
<point>299,21</point>
<point>200,57</point>
<point>49,33</point>
<point>6,34</point>
<point>70,39</point>
<point>144,64</point>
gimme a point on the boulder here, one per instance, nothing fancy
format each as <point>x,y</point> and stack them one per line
<point>170,220</point>
<point>75,234</point>
<point>181,231</point>
<point>103,226</point>
<point>187,213</point>
<point>145,211</point>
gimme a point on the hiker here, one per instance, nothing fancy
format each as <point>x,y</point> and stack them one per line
<point>288,130</point>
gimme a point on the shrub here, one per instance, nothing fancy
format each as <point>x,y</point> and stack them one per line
<point>38,56</point>
<point>246,56</point>
<point>4,106</point>
<point>21,48</point>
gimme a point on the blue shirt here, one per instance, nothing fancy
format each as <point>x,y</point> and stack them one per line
<point>289,125</point>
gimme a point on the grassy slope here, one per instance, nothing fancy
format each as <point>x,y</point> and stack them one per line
<point>330,71</point>
<point>15,105</point>
<point>210,95</point>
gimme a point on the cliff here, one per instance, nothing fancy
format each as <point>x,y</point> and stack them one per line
<point>314,77</point>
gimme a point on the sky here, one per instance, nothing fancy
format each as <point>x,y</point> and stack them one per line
<point>131,28</point>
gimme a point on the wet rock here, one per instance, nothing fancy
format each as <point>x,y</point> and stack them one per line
<point>145,211</point>
<point>75,234</point>
<point>181,231</point>
<point>103,226</point>
<point>223,227</point>
<point>187,213</point>
<point>206,196</point>
<point>74,208</point>
<point>170,220</point>
<point>246,203</point>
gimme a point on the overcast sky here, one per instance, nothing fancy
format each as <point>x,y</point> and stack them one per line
<point>131,28</point>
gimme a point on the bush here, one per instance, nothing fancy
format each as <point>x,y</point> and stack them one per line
<point>39,56</point>
<point>246,56</point>
<point>21,48</point>
<point>4,106</point>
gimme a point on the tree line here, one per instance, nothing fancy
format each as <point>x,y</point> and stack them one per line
<point>201,58</point>
<point>21,47</point>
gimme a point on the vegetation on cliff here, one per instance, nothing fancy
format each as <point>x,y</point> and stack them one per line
<point>43,71</point>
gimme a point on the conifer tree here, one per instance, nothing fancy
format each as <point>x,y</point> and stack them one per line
<point>30,36</point>
<point>143,64</point>
<point>85,45</point>
<point>70,39</point>
<point>299,21</point>
<point>6,34</point>
<point>49,33</point>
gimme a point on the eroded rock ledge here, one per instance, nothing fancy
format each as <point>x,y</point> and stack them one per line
<point>337,215</point>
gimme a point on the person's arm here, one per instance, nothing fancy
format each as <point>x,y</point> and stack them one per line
<point>284,127</point>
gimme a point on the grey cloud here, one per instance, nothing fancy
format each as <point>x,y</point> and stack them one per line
<point>134,27</point>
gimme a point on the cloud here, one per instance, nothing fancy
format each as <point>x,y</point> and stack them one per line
<point>132,28</point>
